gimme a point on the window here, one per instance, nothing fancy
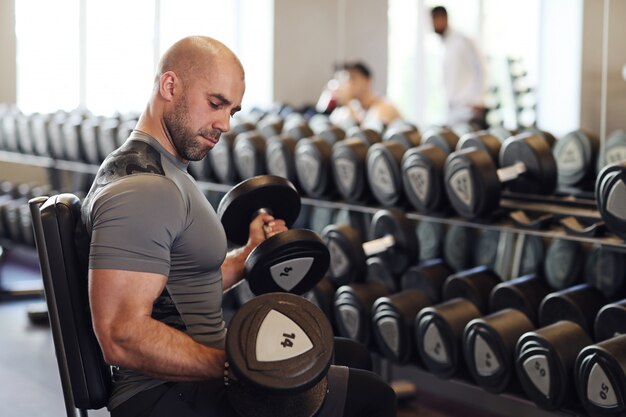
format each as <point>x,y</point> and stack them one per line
<point>102,54</point>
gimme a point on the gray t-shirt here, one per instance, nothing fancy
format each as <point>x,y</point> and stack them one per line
<point>145,213</point>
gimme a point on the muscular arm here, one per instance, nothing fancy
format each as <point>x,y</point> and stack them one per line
<point>121,306</point>
<point>261,227</point>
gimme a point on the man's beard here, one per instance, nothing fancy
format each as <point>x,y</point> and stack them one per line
<point>186,142</point>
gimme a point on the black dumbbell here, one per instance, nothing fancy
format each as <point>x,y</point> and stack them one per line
<point>459,247</point>
<point>55,135</point>
<point>350,170</point>
<point>438,332</point>
<point>605,269</point>
<point>430,235</point>
<point>391,236</point>
<point>392,324</point>
<point>544,361</point>
<point>524,294</point>
<point>9,131</point>
<point>271,125</point>
<point>292,261</point>
<point>474,284</point>
<point>489,347</point>
<point>109,128</point>
<point>614,150</point>
<point>565,260</point>
<point>280,157</point>
<point>222,155</point>
<point>576,156</point>
<point>429,277</point>
<point>578,304</point>
<point>384,172</point>
<point>601,379</point>
<point>423,167</point>
<point>71,136</point>
<point>474,184</point>
<point>279,349</point>
<point>397,126</point>
<point>353,308</point>
<point>610,321</point>
<point>24,133</point>
<point>610,194</point>
<point>313,166</point>
<point>249,151</point>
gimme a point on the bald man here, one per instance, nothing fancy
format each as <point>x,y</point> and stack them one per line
<point>158,263</point>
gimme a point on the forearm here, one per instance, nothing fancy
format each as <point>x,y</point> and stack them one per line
<point>233,268</point>
<point>158,350</point>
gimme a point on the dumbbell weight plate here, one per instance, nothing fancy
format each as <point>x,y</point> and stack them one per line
<point>383,172</point>
<point>544,361</point>
<point>481,140</point>
<point>249,154</point>
<point>579,304</point>
<point>405,251</point>
<point>279,156</point>
<point>487,248</point>
<point>279,348</point>
<point>576,155</point>
<point>428,277</point>
<point>564,263</point>
<point>346,254</point>
<point>610,321</point>
<point>541,168</point>
<point>349,169</point>
<point>611,197</point>
<point>222,159</point>
<point>239,206</point>
<point>600,379</point>
<point>489,347</point>
<point>430,236</point>
<point>407,137</point>
<point>291,261</point>
<point>606,270</point>
<point>438,334</point>
<point>614,150</point>
<point>472,183</point>
<point>422,178</point>
<point>443,138</point>
<point>458,249</point>
<point>313,160</point>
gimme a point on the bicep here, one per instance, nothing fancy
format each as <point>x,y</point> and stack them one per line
<point>117,296</point>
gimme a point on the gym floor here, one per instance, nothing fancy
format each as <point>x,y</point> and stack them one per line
<point>29,381</point>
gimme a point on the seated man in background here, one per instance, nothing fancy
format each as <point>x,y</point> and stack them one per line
<point>158,262</point>
<point>351,89</point>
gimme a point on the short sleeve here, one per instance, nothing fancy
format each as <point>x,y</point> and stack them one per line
<point>134,222</point>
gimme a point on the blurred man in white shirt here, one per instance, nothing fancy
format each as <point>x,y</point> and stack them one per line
<point>463,73</point>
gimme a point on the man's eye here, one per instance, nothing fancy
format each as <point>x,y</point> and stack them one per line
<point>214,105</point>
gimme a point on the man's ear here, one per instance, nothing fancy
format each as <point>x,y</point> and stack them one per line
<point>168,83</point>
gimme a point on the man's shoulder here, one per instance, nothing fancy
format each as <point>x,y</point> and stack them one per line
<point>133,157</point>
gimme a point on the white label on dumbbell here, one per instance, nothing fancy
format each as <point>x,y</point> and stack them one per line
<point>461,184</point>
<point>486,361</point>
<point>220,161</point>
<point>600,391</point>
<point>308,170</point>
<point>277,165</point>
<point>616,200</point>
<point>538,371</point>
<point>350,318</point>
<point>381,177</point>
<point>289,273</point>
<point>388,328</point>
<point>280,338</point>
<point>346,170</point>
<point>418,178</point>
<point>338,259</point>
<point>571,157</point>
<point>616,154</point>
<point>245,162</point>
<point>434,346</point>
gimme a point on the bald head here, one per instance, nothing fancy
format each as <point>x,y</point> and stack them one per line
<point>194,57</point>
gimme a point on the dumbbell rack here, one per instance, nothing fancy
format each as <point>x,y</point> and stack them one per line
<point>509,404</point>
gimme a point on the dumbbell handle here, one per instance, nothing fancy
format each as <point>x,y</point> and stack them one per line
<point>378,245</point>
<point>511,172</point>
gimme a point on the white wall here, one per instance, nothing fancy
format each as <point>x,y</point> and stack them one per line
<point>7,52</point>
<point>591,84</point>
<point>310,37</point>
